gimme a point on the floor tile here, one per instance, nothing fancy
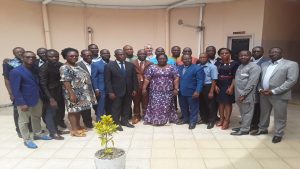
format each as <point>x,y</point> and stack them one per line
<point>166,143</point>
<point>82,163</point>
<point>163,153</point>
<point>191,164</point>
<point>188,153</point>
<point>212,153</point>
<point>218,163</point>
<point>287,153</point>
<point>262,153</point>
<point>30,163</point>
<point>138,153</point>
<point>185,144</point>
<point>237,153</point>
<point>164,163</point>
<point>208,144</point>
<point>293,162</point>
<point>273,164</point>
<point>57,164</point>
<point>245,163</point>
<point>66,153</point>
<point>138,163</point>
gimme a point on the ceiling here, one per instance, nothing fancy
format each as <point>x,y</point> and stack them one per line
<point>144,4</point>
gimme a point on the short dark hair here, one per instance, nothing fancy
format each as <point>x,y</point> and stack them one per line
<point>51,50</point>
<point>219,51</point>
<point>90,45</point>
<point>65,52</point>
<point>248,52</point>
<point>162,55</point>
<point>29,52</point>
<point>276,48</point>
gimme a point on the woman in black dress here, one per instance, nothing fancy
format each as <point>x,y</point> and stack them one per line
<point>225,86</point>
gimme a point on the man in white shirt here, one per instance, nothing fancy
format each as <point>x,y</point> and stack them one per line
<point>278,77</point>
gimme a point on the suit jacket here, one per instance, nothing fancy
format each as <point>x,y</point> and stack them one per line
<point>283,78</point>
<point>139,71</point>
<point>98,75</point>
<point>246,79</point>
<point>117,83</point>
<point>192,80</point>
<point>25,86</point>
<point>83,66</point>
<point>49,76</point>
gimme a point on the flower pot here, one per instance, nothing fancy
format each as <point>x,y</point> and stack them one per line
<point>115,161</point>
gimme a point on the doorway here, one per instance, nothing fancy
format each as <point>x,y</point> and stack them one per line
<point>239,43</point>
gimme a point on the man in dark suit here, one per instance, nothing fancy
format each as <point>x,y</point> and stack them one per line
<point>98,82</point>
<point>85,64</point>
<point>278,77</point>
<point>141,65</point>
<point>190,85</point>
<point>26,91</point>
<point>51,86</point>
<point>121,84</point>
<point>41,52</point>
<point>258,58</point>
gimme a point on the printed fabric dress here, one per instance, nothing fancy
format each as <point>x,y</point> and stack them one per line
<point>161,106</point>
<point>82,86</point>
<point>226,73</point>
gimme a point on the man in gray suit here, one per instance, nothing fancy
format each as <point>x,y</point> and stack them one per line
<point>246,79</point>
<point>278,77</point>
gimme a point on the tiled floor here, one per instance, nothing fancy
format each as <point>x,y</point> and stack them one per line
<point>167,147</point>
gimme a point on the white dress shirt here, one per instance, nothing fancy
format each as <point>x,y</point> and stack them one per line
<point>41,63</point>
<point>265,82</point>
<point>119,63</point>
<point>88,66</point>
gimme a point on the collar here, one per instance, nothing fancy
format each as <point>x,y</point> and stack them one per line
<point>277,61</point>
<point>86,63</point>
<point>119,62</point>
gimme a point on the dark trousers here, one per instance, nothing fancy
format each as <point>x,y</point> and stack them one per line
<point>50,118</point>
<point>255,118</point>
<point>208,107</point>
<point>138,101</point>
<point>189,108</point>
<point>120,108</point>
<point>100,111</point>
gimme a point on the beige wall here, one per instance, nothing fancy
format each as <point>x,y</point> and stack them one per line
<point>222,19</point>
<point>282,28</point>
<point>21,25</point>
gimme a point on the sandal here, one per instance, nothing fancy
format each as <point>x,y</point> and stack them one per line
<point>77,134</point>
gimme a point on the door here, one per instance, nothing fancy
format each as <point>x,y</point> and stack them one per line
<point>237,44</point>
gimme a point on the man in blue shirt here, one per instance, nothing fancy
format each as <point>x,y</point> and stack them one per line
<point>208,108</point>
<point>161,51</point>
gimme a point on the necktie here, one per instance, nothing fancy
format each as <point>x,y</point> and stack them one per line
<point>123,68</point>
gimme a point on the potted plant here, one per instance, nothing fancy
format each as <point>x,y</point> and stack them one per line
<point>108,157</point>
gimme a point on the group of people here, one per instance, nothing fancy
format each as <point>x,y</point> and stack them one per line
<point>43,88</point>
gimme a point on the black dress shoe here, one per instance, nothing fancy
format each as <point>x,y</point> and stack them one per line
<point>19,134</point>
<point>236,129</point>
<point>56,137</point>
<point>192,126</point>
<point>127,124</point>
<point>181,122</point>
<point>239,133</point>
<point>259,132</point>
<point>119,128</point>
<point>60,132</point>
<point>276,139</point>
<point>210,125</point>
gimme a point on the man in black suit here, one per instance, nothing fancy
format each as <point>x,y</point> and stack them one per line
<point>121,84</point>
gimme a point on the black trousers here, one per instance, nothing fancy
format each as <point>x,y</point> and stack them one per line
<point>120,108</point>
<point>87,115</point>
<point>255,118</point>
<point>208,107</point>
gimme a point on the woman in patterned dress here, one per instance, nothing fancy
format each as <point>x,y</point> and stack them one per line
<point>78,91</point>
<point>164,82</point>
<point>225,86</point>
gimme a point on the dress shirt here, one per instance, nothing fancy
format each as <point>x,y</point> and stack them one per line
<point>211,72</point>
<point>88,66</point>
<point>119,63</point>
<point>41,63</point>
<point>268,74</point>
